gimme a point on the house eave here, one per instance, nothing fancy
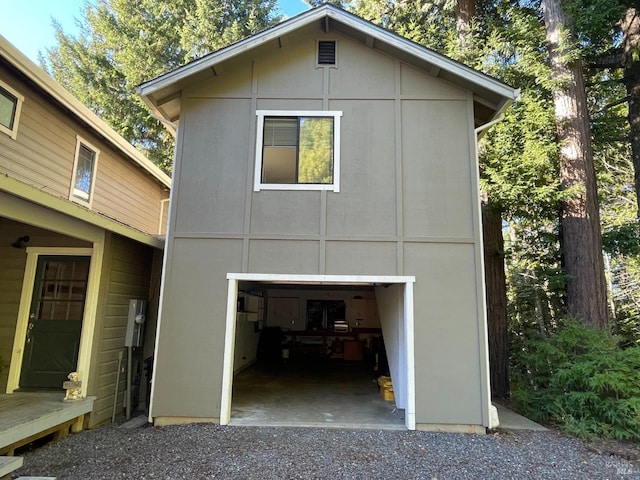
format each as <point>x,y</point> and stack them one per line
<point>45,83</point>
<point>44,199</point>
<point>168,86</point>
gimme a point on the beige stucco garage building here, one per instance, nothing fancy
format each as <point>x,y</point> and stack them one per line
<point>326,184</point>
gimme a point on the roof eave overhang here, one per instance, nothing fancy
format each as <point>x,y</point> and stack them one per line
<point>45,83</point>
<point>489,91</point>
<point>36,196</point>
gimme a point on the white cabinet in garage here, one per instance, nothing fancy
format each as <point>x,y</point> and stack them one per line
<point>364,313</point>
<point>285,313</point>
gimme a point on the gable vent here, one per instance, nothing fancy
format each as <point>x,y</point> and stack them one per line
<point>327,52</point>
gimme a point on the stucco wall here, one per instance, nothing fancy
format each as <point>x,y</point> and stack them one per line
<point>407,206</point>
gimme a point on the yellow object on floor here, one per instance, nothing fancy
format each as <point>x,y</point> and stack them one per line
<point>386,388</point>
<point>383,381</point>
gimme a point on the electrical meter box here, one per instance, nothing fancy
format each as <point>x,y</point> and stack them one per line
<point>135,323</point>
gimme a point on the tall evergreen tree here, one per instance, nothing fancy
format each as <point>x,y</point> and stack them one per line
<point>123,43</point>
<point>581,235</point>
<point>616,42</point>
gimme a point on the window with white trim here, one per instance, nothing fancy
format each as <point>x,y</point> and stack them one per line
<point>84,172</point>
<point>10,106</point>
<point>297,150</point>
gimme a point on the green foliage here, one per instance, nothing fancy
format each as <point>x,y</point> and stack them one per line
<point>580,379</point>
<point>518,167</point>
<point>428,22</point>
<point>316,150</point>
<point>623,238</point>
<point>124,43</point>
<point>535,278</point>
<point>595,22</point>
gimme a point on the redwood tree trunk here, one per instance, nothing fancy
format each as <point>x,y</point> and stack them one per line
<point>586,288</point>
<point>496,301</point>
<point>630,26</point>
<point>465,11</point>
<point>632,83</point>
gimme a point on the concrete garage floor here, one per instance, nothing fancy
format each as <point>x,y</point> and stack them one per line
<point>321,393</point>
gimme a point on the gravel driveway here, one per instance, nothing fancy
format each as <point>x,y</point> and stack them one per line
<point>212,451</point>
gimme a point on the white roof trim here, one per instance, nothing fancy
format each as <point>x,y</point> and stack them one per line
<point>330,11</point>
<point>55,90</point>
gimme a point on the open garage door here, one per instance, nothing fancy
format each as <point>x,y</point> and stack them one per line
<point>319,319</point>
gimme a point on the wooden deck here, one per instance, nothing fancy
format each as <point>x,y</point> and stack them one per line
<point>27,416</point>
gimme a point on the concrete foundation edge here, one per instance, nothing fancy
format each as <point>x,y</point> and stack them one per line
<point>423,427</point>
<point>451,428</point>
<point>166,421</point>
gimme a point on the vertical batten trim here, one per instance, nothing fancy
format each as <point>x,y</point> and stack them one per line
<point>398,164</point>
<point>322,247</point>
<point>255,135</point>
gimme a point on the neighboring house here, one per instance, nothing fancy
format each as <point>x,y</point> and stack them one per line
<point>326,165</point>
<point>82,214</point>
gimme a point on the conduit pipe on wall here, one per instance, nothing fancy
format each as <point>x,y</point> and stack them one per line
<point>490,124</point>
<point>115,396</point>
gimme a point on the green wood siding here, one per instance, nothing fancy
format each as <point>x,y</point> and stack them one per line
<point>127,275</point>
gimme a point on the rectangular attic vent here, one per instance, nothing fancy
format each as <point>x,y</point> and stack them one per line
<point>326,52</point>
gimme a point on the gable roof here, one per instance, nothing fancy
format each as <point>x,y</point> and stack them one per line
<point>18,61</point>
<point>491,96</point>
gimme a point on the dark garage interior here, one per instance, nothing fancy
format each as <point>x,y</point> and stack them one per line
<point>311,355</point>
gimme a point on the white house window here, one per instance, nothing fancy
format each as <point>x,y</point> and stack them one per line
<point>298,150</point>
<point>10,106</point>
<point>84,172</point>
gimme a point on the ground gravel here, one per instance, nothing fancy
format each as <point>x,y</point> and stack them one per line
<point>213,451</point>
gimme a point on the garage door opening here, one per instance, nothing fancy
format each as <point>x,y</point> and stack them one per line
<point>308,350</point>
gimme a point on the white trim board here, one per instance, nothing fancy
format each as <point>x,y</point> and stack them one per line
<point>258,184</point>
<point>321,279</point>
<point>230,328</point>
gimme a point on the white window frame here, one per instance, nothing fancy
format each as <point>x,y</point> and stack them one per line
<point>13,132</point>
<point>261,114</point>
<point>77,195</point>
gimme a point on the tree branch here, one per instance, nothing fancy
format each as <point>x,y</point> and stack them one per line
<point>603,82</point>
<point>612,104</point>
<point>607,60</point>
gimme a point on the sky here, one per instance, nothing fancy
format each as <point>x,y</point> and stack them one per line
<point>28,26</point>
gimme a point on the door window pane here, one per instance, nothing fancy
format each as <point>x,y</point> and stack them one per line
<point>63,291</point>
